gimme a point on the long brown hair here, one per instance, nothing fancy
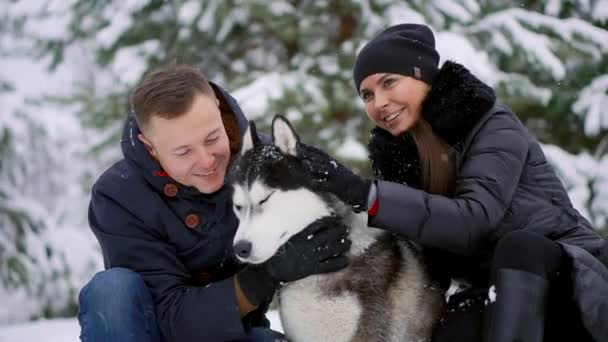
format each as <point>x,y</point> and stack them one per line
<point>438,169</point>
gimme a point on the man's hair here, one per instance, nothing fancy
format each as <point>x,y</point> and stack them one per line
<point>168,92</point>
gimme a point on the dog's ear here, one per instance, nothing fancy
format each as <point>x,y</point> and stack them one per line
<point>250,139</point>
<point>283,135</point>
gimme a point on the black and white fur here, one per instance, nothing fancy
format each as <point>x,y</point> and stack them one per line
<point>385,293</point>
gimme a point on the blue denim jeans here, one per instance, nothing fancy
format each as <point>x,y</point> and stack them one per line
<point>117,306</point>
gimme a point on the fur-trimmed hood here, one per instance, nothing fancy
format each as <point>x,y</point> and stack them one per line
<point>454,105</point>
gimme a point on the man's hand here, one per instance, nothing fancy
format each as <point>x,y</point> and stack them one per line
<point>329,175</point>
<point>317,249</point>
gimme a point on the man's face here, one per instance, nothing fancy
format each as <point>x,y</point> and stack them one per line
<point>192,148</point>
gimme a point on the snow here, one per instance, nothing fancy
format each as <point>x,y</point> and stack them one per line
<point>53,26</point>
<point>600,11</point>
<point>63,152</point>
<point>537,46</point>
<point>592,105</point>
<point>128,62</point>
<point>329,65</point>
<point>280,8</point>
<point>56,330</point>
<point>188,12</point>
<point>539,49</point>
<point>456,286</point>
<point>492,294</point>
<point>455,47</point>
<point>49,139</point>
<point>68,330</point>
<point>399,13</point>
<point>207,21</point>
<point>255,98</point>
<point>352,149</point>
<point>552,7</point>
<point>454,10</point>
<point>57,208</point>
<point>121,20</point>
<point>576,171</point>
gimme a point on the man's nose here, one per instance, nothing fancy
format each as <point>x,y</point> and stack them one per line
<point>205,158</point>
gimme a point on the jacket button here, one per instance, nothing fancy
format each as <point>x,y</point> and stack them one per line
<point>170,189</point>
<point>192,221</point>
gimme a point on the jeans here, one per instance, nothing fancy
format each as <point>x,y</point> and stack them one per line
<point>117,306</point>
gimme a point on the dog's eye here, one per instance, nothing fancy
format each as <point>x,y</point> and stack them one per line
<point>238,207</point>
<point>265,199</point>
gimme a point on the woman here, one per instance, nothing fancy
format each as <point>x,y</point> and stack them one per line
<point>459,173</point>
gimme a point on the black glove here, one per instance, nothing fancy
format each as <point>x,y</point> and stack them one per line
<point>317,249</point>
<point>329,175</point>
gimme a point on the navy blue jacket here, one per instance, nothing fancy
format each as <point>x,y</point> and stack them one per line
<point>504,184</point>
<point>176,238</point>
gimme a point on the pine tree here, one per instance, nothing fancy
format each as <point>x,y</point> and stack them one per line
<point>42,199</point>
<point>545,59</point>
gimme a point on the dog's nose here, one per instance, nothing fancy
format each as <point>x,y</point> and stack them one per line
<point>242,248</point>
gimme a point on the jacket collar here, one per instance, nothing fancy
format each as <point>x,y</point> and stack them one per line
<point>455,104</point>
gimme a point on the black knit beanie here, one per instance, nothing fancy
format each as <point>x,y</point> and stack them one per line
<point>405,49</point>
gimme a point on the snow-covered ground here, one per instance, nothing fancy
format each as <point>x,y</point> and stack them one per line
<point>55,330</point>
<point>67,330</point>
<point>62,206</point>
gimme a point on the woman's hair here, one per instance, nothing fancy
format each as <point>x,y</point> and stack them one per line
<point>438,169</point>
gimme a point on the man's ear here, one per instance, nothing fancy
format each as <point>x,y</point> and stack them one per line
<point>147,144</point>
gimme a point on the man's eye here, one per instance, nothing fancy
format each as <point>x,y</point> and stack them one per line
<point>211,141</point>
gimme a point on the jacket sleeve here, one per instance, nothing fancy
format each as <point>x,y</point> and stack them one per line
<point>184,312</point>
<point>485,186</point>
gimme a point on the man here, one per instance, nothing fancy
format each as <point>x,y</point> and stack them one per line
<point>163,217</point>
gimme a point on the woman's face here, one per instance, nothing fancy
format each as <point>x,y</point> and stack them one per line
<point>393,101</point>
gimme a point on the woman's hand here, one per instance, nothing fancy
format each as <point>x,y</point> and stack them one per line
<point>329,175</point>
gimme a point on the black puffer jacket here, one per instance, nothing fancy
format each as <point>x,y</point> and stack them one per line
<point>504,183</point>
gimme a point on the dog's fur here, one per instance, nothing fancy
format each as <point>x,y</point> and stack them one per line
<point>385,294</point>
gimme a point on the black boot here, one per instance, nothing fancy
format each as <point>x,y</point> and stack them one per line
<point>518,312</point>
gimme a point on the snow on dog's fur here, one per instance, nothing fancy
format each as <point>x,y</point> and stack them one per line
<point>384,294</point>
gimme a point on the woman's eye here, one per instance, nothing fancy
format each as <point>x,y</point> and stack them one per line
<point>389,81</point>
<point>366,96</point>
<point>181,154</point>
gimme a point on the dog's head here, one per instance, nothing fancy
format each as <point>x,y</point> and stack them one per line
<point>271,196</point>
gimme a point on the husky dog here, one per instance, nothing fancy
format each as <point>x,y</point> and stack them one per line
<point>384,294</point>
